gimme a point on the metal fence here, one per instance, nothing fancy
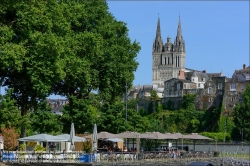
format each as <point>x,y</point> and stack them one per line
<point>225,158</point>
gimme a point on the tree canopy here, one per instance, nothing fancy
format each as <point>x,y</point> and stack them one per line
<point>63,47</point>
<point>241,114</point>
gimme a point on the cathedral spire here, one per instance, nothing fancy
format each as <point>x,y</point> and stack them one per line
<point>179,31</point>
<point>179,43</point>
<point>158,30</point>
<point>158,43</point>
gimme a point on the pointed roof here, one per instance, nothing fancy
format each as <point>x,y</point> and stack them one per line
<point>179,31</point>
<point>158,42</point>
<point>158,30</point>
<point>179,44</point>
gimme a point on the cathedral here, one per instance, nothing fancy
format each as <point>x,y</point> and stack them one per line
<point>169,58</point>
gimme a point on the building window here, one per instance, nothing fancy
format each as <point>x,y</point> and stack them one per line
<point>232,99</point>
<point>210,90</point>
<point>220,86</point>
<point>166,84</point>
<point>220,92</point>
<point>203,79</point>
<point>199,85</point>
<point>166,92</point>
<point>187,86</point>
<point>210,99</point>
<point>233,87</point>
<point>178,86</point>
<point>209,84</point>
<point>242,87</point>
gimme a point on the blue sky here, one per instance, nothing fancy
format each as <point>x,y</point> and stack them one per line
<point>216,33</point>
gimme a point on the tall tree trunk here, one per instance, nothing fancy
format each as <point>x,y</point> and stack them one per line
<point>24,112</point>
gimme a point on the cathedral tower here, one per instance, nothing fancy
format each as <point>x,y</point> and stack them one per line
<point>168,59</point>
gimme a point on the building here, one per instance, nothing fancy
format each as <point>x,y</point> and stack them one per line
<point>234,87</point>
<point>169,58</point>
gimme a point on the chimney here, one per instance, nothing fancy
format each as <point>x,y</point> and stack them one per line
<point>204,71</point>
<point>244,66</point>
<point>181,74</point>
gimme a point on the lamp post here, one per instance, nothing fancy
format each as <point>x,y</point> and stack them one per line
<point>126,100</point>
<point>126,107</point>
<point>242,139</point>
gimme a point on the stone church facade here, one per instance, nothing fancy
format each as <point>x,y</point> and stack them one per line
<point>169,58</point>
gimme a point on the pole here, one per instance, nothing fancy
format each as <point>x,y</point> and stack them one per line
<point>242,139</point>
<point>126,100</point>
<point>126,108</point>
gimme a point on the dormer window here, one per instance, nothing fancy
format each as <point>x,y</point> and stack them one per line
<point>203,79</point>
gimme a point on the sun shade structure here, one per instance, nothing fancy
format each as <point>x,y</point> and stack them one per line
<point>158,135</point>
<point>103,135</point>
<point>196,136</point>
<point>43,138</point>
<point>128,134</point>
<point>114,140</point>
<point>95,138</point>
<point>75,138</point>
<point>71,137</point>
<point>106,135</point>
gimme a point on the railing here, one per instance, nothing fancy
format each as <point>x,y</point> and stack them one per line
<point>182,158</point>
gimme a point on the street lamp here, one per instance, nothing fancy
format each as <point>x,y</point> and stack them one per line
<point>126,100</point>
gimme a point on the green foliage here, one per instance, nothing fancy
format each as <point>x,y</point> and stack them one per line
<point>217,136</point>
<point>22,147</point>
<point>132,103</point>
<point>87,146</point>
<point>33,41</point>
<point>241,114</point>
<point>150,108</point>
<point>43,120</point>
<point>63,47</point>
<point>39,148</point>
<point>188,102</point>
<point>136,122</point>
<point>9,113</point>
<point>100,55</point>
<point>170,105</point>
<point>113,117</point>
<point>83,112</point>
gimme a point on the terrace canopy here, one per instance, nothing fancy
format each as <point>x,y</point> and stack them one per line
<point>75,138</point>
<point>43,138</point>
<point>128,134</point>
<point>195,137</point>
<point>103,135</point>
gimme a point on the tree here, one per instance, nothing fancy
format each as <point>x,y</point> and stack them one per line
<point>10,138</point>
<point>101,56</point>
<point>9,113</point>
<point>112,117</point>
<point>83,112</point>
<point>43,120</point>
<point>241,114</point>
<point>188,102</point>
<point>32,46</point>
<point>63,47</point>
